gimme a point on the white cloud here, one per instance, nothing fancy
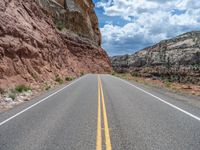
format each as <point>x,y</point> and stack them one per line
<point>188,4</point>
<point>150,20</point>
<point>127,8</point>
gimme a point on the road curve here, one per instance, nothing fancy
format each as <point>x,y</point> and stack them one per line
<point>101,112</point>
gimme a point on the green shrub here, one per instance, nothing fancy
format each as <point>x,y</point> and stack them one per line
<point>82,73</point>
<point>12,95</point>
<point>113,73</point>
<point>135,74</point>
<point>60,25</point>
<point>59,80</point>
<point>47,87</point>
<point>167,83</point>
<point>22,88</point>
<point>69,78</point>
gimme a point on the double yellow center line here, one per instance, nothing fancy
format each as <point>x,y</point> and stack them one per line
<point>102,108</point>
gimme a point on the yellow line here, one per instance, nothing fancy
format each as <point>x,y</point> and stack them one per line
<point>106,128</point>
<point>99,137</point>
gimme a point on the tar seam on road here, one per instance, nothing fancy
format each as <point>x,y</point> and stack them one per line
<point>160,99</point>
<point>105,119</point>
<point>19,113</point>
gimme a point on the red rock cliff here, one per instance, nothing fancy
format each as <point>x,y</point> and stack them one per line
<point>32,49</point>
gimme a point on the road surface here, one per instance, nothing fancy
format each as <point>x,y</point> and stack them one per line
<point>101,112</point>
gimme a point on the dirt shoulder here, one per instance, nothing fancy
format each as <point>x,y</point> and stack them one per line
<point>186,89</point>
<point>21,93</point>
<point>184,93</point>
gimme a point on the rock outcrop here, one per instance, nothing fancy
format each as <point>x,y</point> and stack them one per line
<point>77,16</point>
<point>176,59</point>
<point>32,49</point>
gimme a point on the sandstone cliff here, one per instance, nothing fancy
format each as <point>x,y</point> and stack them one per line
<point>32,49</point>
<point>176,59</point>
<point>77,16</point>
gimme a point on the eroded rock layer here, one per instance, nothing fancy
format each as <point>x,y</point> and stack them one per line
<point>176,59</point>
<point>32,49</point>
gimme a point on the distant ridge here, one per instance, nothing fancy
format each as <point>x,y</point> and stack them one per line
<point>177,59</point>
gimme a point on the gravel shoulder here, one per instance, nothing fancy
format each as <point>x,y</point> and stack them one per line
<point>187,94</point>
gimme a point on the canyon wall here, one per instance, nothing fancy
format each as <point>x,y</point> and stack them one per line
<point>41,39</point>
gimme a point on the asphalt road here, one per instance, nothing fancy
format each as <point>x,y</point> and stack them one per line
<point>102,112</point>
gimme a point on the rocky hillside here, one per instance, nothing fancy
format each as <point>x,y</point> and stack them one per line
<point>41,39</point>
<point>176,59</point>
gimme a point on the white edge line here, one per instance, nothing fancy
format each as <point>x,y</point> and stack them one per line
<point>19,113</point>
<point>160,99</point>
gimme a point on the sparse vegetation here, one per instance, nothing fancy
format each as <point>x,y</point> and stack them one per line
<point>164,82</point>
<point>59,79</point>
<point>113,73</point>
<point>2,91</point>
<point>47,87</point>
<point>69,78</point>
<point>12,94</point>
<point>82,73</point>
<point>60,24</point>
<point>135,74</point>
<point>22,88</point>
<point>18,89</point>
<point>167,83</point>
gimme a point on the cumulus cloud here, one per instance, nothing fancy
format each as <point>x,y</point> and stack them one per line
<point>148,22</point>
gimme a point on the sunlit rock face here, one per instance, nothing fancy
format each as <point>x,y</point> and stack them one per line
<point>176,59</point>
<point>40,39</point>
<point>77,16</point>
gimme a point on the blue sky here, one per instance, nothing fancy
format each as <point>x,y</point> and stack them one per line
<point>130,25</point>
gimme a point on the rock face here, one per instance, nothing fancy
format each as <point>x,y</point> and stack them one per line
<point>176,59</point>
<point>33,50</point>
<point>77,16</point>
